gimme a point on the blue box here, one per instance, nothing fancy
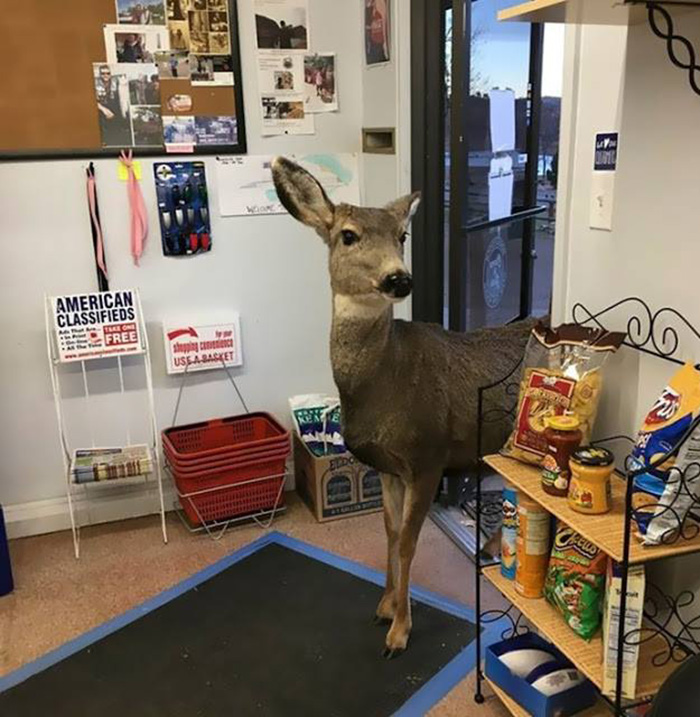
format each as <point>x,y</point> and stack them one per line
<point>566,703</point>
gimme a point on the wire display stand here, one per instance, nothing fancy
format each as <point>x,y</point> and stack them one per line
<point>151,479</point>
<point>671,627</point>
<point>216,529</point>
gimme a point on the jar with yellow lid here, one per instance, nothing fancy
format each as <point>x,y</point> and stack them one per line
<point>590,488</point>
<point>563,437</point>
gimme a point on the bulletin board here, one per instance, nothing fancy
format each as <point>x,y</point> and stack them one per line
<point>183,94</point>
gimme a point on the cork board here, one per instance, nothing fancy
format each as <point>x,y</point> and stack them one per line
<point>49,104</point>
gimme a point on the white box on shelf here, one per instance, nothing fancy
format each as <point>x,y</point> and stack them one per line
<point>633,623</point>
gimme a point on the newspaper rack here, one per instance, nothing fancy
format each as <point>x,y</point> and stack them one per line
<point>57,361</point>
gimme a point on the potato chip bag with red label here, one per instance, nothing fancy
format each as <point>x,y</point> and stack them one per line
<point>561,374</point>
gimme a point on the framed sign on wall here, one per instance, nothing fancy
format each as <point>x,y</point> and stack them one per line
<point>100,76</point>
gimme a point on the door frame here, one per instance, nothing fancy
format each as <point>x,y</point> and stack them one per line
<point>428,165</point>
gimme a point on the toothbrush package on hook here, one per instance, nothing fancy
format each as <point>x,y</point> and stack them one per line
<point>183,208</point>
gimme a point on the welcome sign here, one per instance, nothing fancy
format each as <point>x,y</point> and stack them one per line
<point>90,326</point>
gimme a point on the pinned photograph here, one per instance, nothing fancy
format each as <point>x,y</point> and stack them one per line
<point>282,24</point>
<point>216,130</point>
<point>178,130</point>
<point>177,9</point>
<point>179,35</point>
<point>179,103</point>
<point>173,65</point>
<point>320,93</point>
<point>211,69</point>
<point>136,44</point>
<point>147,126</point>
<point>281,74</point>
<point>199,21</point>
<point>112,98</point>
<point>377,32</point>
<point>199,41</point>
<point>144,84</point>
<point>217,4</point>
<point>284,80</point>
<point>219,43</point>
<point>282,116</point>
<point>198,4</point>
<point>218,21</point>
<point>131,12</point>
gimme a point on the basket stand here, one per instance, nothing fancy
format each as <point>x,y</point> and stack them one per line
<point>216,529</point>
<point>87,492</point>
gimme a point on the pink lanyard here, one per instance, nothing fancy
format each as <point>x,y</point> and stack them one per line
<point>92,203</point>
<point>139,218</point>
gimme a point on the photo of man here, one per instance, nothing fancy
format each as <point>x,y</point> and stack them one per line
<point>377,32</point>
<point>179,35</point>
<point>112,96</point>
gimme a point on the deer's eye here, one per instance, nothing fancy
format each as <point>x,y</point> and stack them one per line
<point>403,237</point>
<point>349,237</point>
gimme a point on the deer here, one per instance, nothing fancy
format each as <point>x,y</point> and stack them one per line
<point>407,389</point>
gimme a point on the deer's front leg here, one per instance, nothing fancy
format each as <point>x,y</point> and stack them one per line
<point>393,497</point>
<point>419,496</point>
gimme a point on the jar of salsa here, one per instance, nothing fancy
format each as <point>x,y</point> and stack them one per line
<point>563,437</point>
<point>590,490</point>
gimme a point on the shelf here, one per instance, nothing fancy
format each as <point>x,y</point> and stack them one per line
<point>587,656</point>
<point>580,12</point>
<point>600,709</point>
<point>605,531</point>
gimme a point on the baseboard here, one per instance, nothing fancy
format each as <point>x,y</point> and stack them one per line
<point>114,503</point>
<point>107,504</point>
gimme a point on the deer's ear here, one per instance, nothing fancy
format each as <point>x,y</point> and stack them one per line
<point>405,208</point>
<point>302,196</point>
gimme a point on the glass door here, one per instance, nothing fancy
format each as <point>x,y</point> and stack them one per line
<point>493,93</point>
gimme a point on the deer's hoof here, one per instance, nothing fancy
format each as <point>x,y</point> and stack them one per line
<point>390,653</point>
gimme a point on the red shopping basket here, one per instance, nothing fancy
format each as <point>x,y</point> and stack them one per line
<point>227,467</point>
<point>225,493</point>
<point>222,438</point>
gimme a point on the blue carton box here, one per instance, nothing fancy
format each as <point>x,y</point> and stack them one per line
<point>565,703</point>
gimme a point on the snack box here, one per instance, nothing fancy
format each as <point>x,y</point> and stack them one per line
<point>336,485</point>
<point>569,702</point>
<point>634,613</point>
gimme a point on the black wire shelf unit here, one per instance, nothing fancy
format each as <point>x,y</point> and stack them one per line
<point>671,628</point>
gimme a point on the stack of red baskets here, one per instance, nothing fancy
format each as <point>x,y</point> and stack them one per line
<point>228,467</point>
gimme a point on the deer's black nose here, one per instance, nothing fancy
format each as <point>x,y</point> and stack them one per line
<point>398,285</point>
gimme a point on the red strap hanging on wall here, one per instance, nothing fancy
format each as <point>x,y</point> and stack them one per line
<point>139,218</point>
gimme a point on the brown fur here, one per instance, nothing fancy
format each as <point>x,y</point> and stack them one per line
<point>408,390</point>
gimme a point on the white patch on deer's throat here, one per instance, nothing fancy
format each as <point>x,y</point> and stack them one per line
<point>365,306</point>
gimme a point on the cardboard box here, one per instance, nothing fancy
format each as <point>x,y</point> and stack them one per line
<point>568,702</point>
<point>337,485</point>
<point>633,623</point>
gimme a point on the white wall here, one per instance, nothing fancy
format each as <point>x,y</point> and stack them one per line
<point>386,100</point>
<point>270,269</point>
<point>624,80</point>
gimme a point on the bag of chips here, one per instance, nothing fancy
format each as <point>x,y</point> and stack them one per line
<point>561,374</point>
<point>575,583</point>
<point>664,494</point>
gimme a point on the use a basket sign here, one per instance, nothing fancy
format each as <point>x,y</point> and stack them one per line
<point>90,326</point>
<point>202,346</point>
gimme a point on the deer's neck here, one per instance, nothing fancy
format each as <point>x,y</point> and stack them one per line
<point>360,341</point>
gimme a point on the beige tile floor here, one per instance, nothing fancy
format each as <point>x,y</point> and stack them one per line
<point>123,564</point>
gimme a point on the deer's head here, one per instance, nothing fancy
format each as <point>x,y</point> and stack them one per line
<point>366,245</point>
